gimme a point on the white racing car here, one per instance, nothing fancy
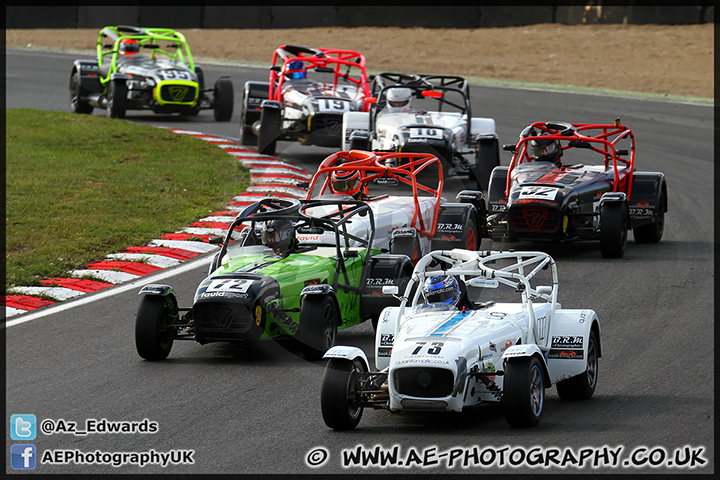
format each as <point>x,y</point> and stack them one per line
<point>443,349</point>
<point>425,113</point>
<point>404,191</point>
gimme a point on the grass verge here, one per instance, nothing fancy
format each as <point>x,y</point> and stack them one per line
<point>79,187</point>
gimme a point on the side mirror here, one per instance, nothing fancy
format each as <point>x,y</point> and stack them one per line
<point>215,240</point>
<point>622,152</point>
<point>370,100</point>
<point>510,147</point>
<point>390,290</point>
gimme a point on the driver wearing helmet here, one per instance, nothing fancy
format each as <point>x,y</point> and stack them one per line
<point>128,46</point>
<point>441,292</point>
<point>546,150</point>
<point>398,100</point>
<point>279,235</point>
<point>296,70</point>
<point>346,182</point>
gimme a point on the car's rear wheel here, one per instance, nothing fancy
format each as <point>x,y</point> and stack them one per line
<point>340,394</point>
<point>154,331</point>
<point>318,326</point>
<point>223,100</point>
<point>523,392</point>
<point>471,238</point>
<point>613,229</point>
<point>76,103</point>
<point>117,99</point>
<point>582,387</point>
<point>652,232</point>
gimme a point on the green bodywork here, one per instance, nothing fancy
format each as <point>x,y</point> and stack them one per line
<point>295,272</point>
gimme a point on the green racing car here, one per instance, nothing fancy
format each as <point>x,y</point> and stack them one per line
<point>146,69</point>
<point>294,271</point>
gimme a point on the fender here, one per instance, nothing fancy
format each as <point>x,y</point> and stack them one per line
<point>157,289</point>
<point>569,336</point>
<point>528,350</point>
<point>253,94</point>
<point>648,197</point>
<point>88,71</point>
<point>452,218</point>
<point>477,199</point>
<point>320,289</point>
<point>354,121</point>
<point>385,336</point>
<point>483,126</point>
<point>384,269</point>
<point>351,354</point>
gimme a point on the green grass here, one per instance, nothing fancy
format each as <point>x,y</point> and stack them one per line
<point>79,187</point>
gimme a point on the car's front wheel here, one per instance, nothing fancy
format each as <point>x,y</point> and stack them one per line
<point>523,392</point>
<point>613,229</point>
<point>117,99</point>
<point>154,331</point>
<point>340,394</point>
<point>318,326</point>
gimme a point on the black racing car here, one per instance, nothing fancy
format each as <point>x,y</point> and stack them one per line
<point>552,191</point>
<point>145,69</point>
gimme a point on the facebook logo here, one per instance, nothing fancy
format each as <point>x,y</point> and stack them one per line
<point>23,427</point>
<point>23,457</point>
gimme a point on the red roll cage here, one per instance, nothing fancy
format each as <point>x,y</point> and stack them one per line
<point>372,168</point>
<point>602,139</point>
<point>325,59</point>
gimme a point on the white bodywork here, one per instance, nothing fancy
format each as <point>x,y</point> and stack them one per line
<point>480,339</point>
<point>390,213</point>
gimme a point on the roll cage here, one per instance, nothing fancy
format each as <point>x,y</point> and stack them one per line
<point>374,168</point>
<point>322,60</point>
<point>516,270</point>
<point>600,138</point>
<point>336,221</point>
<point>148,38</point>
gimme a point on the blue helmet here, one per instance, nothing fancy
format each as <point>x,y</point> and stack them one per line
<point>296,70</point>
<point>441,290</point>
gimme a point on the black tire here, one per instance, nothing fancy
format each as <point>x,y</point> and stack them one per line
<point>523,392</point>
<point>76,103</point>
<point>223,100</point>
<point>339,394</point>
<point>117,99</point>
<point>613,229</point>
<point>154,333</point>
<point>486,159</point>
<point>471,239</point>
<point>582,387</point>
<point>270,125</point>
<point>318,326</point>
<point>652,232</point>
<point>247,136</point>
<point>409,246</point>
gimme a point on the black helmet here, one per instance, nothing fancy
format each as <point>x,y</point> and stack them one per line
<point>546,150</point>
<point>278,234</point>
<point>345,182</point>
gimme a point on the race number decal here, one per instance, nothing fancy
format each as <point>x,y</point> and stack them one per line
<point>426,133</point>
<point>233,285</point>
<point>327,105</point>
<point>538,193</point>
<point>174,75</point>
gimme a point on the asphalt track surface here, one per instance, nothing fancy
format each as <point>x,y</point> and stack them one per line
<point>258,411</point>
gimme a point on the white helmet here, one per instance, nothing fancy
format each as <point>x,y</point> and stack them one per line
<point>398,98</point>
